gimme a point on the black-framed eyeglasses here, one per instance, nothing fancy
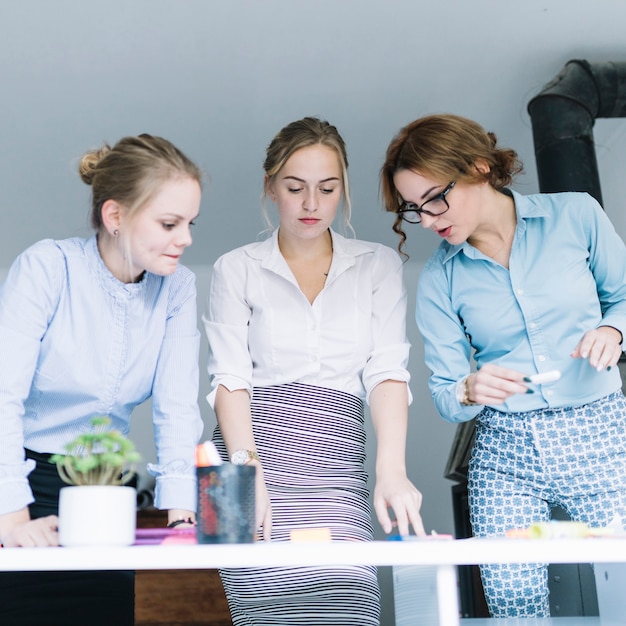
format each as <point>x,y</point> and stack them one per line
<point>437,205</point>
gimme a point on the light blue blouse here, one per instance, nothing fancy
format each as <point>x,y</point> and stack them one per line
<point>567,275</point>
<point>75,342</point>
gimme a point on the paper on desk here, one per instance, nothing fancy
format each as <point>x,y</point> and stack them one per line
<point>157,536</point>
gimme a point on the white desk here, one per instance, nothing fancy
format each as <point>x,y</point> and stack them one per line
<point>538,621</point>
<point>420,552</point>
<point>441,553</point>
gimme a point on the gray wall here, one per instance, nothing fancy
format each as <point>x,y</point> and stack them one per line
<point>220,78</point>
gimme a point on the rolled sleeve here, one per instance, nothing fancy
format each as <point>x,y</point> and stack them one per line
<point>175,486</point>
<point>14,487</point>
<point>226,319</point>
<point>390,354</point>
<point>228,353</point>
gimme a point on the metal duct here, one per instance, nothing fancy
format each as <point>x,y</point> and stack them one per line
<point>563,115</point>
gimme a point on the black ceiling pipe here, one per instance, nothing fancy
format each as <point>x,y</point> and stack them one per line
<point>563,115</point>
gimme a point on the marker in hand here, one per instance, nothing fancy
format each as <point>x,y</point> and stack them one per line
<point>543,378</point>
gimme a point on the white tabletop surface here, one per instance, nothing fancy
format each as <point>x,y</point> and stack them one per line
<point>382,553</point>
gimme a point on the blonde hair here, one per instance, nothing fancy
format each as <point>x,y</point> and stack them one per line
<point>308,131</point>
<point>132,172</point>
<point>445,148</point>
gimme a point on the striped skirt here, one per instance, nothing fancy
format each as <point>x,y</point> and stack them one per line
<point>311,441</point>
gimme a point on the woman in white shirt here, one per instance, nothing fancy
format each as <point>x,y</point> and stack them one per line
<point>97,326</point>
<point>302,328</point>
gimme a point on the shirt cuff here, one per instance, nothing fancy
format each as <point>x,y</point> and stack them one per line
<point>232,383</point>
<point>16,494</point>
<point>176,493</point>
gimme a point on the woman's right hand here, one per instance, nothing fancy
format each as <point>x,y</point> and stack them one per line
<point>492,384</point>
<point>18,530</point>
<point>232,409</point>
<point>263,505</point>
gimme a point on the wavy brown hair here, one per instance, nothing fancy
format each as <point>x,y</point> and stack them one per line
<point>444,147</point>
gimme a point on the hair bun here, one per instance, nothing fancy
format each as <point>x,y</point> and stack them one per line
<point>492,138</point>
<point>89,162</point>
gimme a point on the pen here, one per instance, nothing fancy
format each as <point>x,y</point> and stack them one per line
<point>543,378</point>
<point>433,535</point>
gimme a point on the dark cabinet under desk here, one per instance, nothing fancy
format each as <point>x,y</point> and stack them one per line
<point>177,597</point>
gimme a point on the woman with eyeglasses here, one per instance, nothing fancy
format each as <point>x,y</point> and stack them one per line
<point>520,286</point>
<point>304,327</point>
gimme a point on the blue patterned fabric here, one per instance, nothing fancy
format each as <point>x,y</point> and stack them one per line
<point>525,464</point>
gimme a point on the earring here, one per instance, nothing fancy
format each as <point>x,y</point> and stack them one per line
<point>116,232</point>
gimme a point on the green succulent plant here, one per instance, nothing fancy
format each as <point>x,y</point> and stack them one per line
<point>101,457</point>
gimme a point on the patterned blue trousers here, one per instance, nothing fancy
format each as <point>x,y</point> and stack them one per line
<point>525,464</point>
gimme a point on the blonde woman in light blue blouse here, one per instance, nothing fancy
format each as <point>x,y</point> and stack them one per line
<point>97,326</point>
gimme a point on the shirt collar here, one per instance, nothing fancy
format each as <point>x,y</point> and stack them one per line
<point>345,252</point>
<point>109,282</point>
<point>526,207</point>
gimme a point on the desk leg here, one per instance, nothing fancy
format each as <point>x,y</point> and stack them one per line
<point>447,595</point>
<point>426,595</point>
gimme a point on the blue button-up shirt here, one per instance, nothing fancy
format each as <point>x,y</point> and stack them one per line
<point>567,275</point>
<point>75,342</point>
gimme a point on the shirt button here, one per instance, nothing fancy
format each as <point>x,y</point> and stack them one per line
<point>532,325</point>
<point>549,393</point>
<point>520,292</point>
<point>541,358</point>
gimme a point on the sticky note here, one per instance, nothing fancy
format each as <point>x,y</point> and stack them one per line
<point>311,534</point>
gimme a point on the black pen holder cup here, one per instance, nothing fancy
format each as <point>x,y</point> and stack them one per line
<point>226,503</point>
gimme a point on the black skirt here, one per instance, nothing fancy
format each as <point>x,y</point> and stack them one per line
<point>63,598</point>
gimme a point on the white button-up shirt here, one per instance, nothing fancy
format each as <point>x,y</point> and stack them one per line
<point>262,330</point>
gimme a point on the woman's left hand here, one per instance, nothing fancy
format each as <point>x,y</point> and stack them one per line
<point>42,531</point>
<point>397,492</point>
<point>602,345</point>
<point>181,516</point>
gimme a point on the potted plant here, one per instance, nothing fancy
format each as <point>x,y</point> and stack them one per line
<point>98,508</point>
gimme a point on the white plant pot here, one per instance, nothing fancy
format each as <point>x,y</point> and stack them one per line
<point>97,515</point>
